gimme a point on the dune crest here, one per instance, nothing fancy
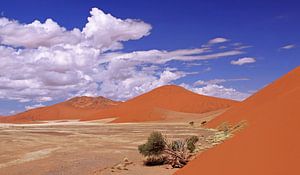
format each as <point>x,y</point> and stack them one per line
<point>158,104</point>
<point>270,143</point>
<point>152,105</point>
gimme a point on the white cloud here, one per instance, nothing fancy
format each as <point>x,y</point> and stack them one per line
<point>217,90</point>
<point>44,99</point>
<point>245,60</point>
<point>104,30</point>
<point>43,61</point>
<point>191,64</point>
<point>36,34</point>
<point>101,31</point>
<point>221,91</point>
<point>54,62</point>
<point>289,46</point>
<point>207,69</point>
<point>218,81</point>
<point>217,40</point>
<point>121,79</point>
<point>160,57</point>
<point>34,106</point>
<point>12,112</point>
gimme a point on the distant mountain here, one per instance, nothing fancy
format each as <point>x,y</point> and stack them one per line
<point>269,145</point>
<point>75,108</point>
<point>159,103</point>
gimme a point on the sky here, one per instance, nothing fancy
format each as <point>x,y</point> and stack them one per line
<point>54,50</point>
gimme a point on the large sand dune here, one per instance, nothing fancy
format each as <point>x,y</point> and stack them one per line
<point>166,102</point>
<point>269,145</point>
<point>75,108</point>
<point>153,105</point>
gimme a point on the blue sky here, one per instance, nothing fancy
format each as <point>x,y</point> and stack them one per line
<point>163,35</point>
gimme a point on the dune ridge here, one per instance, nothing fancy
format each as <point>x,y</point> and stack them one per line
<point>269,145</point>
<point>151,105</point>
<point>157,104</point>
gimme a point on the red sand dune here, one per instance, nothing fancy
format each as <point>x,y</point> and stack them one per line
<point>270,144</point>
<point>151,106</point>
<point>75,108</point>
<point>157,104</point>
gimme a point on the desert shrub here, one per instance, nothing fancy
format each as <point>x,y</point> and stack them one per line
<point>225,127</point>
<point>158,150</point>
<point>154,146</point>
<point>191,143</point>
<point>203,122</point>
<point>177,145</point>
<point>192,123</point>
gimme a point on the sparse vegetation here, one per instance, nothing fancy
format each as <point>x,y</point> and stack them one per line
<point>155,145</point>
<point>229,129</point>
<point>191,143</point>
<point>203,123</point>
<point>224,131</point>
<point>159,150</point>
<point>192,123</point>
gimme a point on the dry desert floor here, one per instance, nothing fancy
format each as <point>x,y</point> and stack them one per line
<point>85,148</point>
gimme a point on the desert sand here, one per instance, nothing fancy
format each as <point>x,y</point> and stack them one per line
<point>158,103</point>
<point>87,148</point>
<point>166,102</point>
<point>270,143</point>
<point>75,108</point>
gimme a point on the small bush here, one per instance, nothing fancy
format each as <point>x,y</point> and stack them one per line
<point>177,145</point>
<point>225,127</point>
<point>203,123</point>
<point>192,123</point>
<point>191,143</point>
<point>158,150</point>
<point>154,146</point>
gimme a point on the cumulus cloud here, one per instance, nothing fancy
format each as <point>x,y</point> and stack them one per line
<point>245,60</point>
<point>104,30</point>
<point>101,31</point>
<point>43,61</point>
<point>216,88</point>
<point>287,47</point>
<point>136,84</point>
<point>36,34</point>
<point>221,91</point>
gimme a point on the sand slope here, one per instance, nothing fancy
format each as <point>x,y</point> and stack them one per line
<point>161,103</point>
<point>151,106</point>
<point>269,145</point>
<point>75,108</point>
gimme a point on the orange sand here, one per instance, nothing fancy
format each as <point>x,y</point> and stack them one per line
<point>270,145</point>
<point>76,108</point>
<point>150,106</point>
